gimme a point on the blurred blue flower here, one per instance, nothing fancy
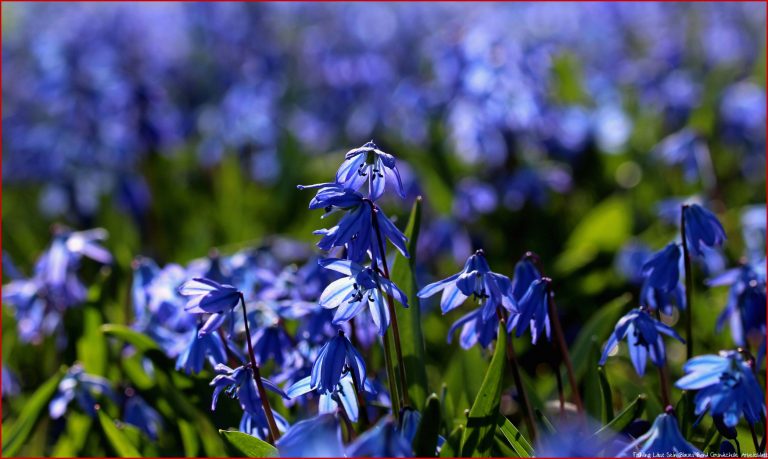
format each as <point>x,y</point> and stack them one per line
<point>81,386</point>
<point>663,439</point>
<point>662,270</point>
<point>256,424</point>
<point>143,416</point>
<point>239,383</point>
<point>532,310</point>
<point>630,260</point>
<point>381,440</point>
<point>473,198</point>
<point>726,386</point>
<point>273,343</point>
<point>315,437</point>
<point>745,309</point>
<point>644,336</point>
<point>200,348</point>
<point>654,298</point>
<point>10,383</point>
<point>336,357</point>
<point>476,279</point>
<point>369,164</point>
<point>361,287</point>
<point>702,229</point>
<point>688,150</point>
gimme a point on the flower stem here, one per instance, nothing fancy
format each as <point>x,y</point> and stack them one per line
<point>274,434</point>
<point>555,320</point>
<point>663,378</point>
<point>512,358</point>
<point>754,437</point>
<point>688,287</point>
<point>393,391</point>
<point>391,306</point>
<point>559,380</point>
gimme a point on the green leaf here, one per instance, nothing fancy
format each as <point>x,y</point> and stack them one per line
<point>425,441</point>
<point>117,439</point>
<point>19,430</point>
<point>685,413</point>
<point>409,319</point>
<point>515,438</point>
<point>246,445</point>
<point>453,442</point>
<point>590,237</point>
<point>623,419</point>
<point>593,403</point>
<point>140,341</point>
<point>481,423</point>
<point>605,391</point>
<point>189,438</point>
<point>92,347</point>
<point>71,443</point>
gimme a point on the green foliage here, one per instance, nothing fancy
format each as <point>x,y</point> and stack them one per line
<point>627,415</point>
<point>409,319</point>
<point>481,423</point>
<point>119,442</point>
<point>607,396</point>
<point>425,441</point>
<point>244,445</point>
<point>519,444</point>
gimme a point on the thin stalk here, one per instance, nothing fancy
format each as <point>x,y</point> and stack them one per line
<point>512,359</point>
<point>560,394</point>
<point>391,381</point>
<point>405,401</point>
<point>754,437</point>
<point>362,409</point>
<point>555,321</point>
<point>274,434</point>
<point>663,378</point>
<point>688,287</point>
<point>231,357</point>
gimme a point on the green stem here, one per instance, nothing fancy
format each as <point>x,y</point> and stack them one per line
<point>393,391</point>
<point>560,337</point>
<point>663,379</point>
<point>688,287</point>
<point>274,434</point>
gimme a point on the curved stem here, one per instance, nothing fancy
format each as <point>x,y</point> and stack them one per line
<point>688,287</point>
<point>391,306</point>
<point>274,434</point>
<point>555,320</point>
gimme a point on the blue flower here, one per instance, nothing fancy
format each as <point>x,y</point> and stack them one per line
<point>272,343</point>
<point>727,387</point>
<point>239,383</point>
<point>336,357</point>
<point>745,310</point>
<point>687,149</point>
<point>662,270</point>
<point>355,229</point>
<point>475,330</point>
<point>644,336</point>
<point>343,395</point>
<point>370,164</point>
<point>476,279</point>
<point>702,229</point>
<point>630,260</point>
<point>199,349</point>
<point>80,386</point>
<point>664,301</point>
<point>208,296</point>
<point>663,439</point>
<point>256,424</point>
<point>361,287</point>
<point>525,273</point>
<point>143,416</point>
<point>381,440</point>
<point>316,437</point>
<point>532,310</point>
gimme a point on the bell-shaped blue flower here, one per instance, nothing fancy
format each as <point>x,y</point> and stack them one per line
<point>532,310</point>
<point>644,337</point>
<point>663,439</point>
<point>655,298</point>
<point>702,229</point>
<point>362,287</point>
<point>239,383</point>
<point>335,358</point>
<point>138,413</point>
<point>745,310</point>
<point>272,343</point>
<point>256,424</point>
<point>662,270</point>
<point>726,387</point>
<point>208,296</point>
<point>525,273</point>
<point>477,280</point>
<point>475,330</point>
<point>369,164</point>
<point>381,440</point>
<point>81,386</point>
<point>200,348</point>
<point>344,395</point>
<point>316,437</point>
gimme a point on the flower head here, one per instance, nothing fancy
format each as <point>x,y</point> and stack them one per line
<point>532,310</point>
<point>477,280</point>
<point>143,416</point>
<point>256,424</point>
<point>745,310</point>
<point>239,383</point>
<point>702,229</point>
<point>662,270</point>
<point>81,386</point>
<point>316,437</point>
<point>369,164</point>
<point>475,330</point>
<point>361,287</point>
<point>381,440</point>
<point>644,336</point>
<point>199,349</point>
<point>663,439</point>
<point>208,296</point>
<point>727,387</point>
<point>336,357</point>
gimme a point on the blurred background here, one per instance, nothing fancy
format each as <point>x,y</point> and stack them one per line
<point>566,129</point>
